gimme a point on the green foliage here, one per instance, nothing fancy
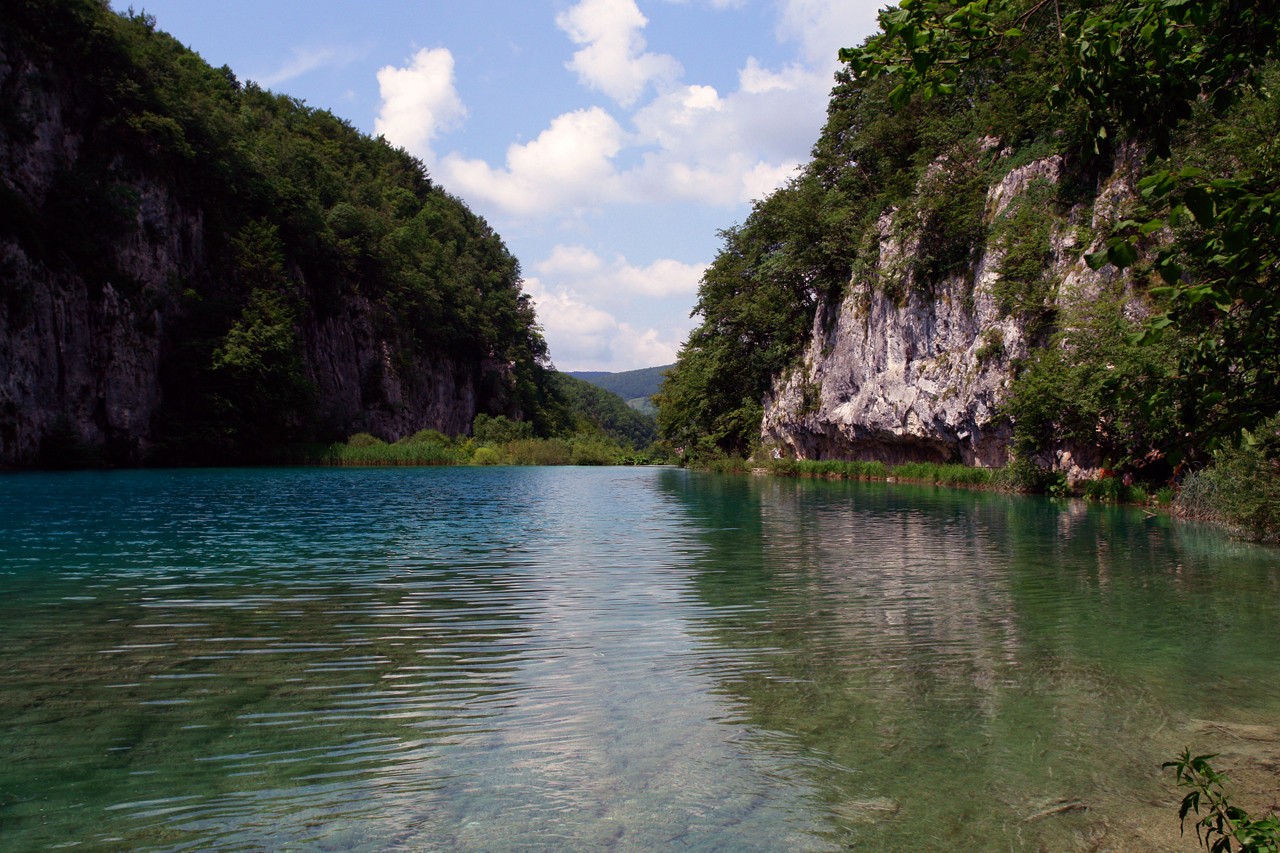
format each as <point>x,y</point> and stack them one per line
<point>1091,385</point>
<point>1112,489</point>
<point>992,346</point>
<point>945,475</point>
<point>299,212</point>
<point>1022,475</point>
<point>1022,234</point>
<point>926,166</point>
<point>538,451</point>
<point>426,447</point>
<point>363,440</point>
<point>499,429</point>
<point>831,469</point>
<point>1144,69</point>
<point>1220,826</point>
<point>627,384</point>
<point>756,301</point>
<point>1241,485</point>
<point>256,376</point>
<point>486,456</point>
<point>948,214</point>
<point>594,450</point>
<point>1137,66</point>
<point>604,411</point>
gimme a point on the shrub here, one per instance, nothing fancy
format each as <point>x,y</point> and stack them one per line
<point>594,450</point>
<point>428,436</point>
<point>1241,487</point>
<point>1219,824</point>
<point>486,456</point>
<point>538,451</point>
<point>837,469</point>
<point>500,429</point>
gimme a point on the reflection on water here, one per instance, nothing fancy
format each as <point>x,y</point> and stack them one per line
<point>605,659</point>
<point>996,672</point>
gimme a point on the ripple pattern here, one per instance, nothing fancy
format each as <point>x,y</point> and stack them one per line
<point>602,659</point>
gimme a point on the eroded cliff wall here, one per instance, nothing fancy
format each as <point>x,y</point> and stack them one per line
<point>89,337</point>
<point>903,370</point>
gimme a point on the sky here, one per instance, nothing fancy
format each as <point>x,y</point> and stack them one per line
<point>607,141</point>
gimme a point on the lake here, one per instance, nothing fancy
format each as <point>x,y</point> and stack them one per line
<point>612,659</point>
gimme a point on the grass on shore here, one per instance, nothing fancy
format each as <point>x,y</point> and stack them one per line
<point>1014,478</point>
<point>429,447</point>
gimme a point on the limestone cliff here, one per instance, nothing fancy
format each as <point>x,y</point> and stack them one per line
<point>101,300</point>
<point>901,370</point>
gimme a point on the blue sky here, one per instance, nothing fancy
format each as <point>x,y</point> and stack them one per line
<point>607,141</point>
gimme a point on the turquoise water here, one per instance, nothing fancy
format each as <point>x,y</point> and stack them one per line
<point>627,659</point>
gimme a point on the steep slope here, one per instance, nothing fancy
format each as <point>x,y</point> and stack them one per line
<point>605,411</point>
<point>965,269</point>
<point>628,384</point>
<point>199,270</point>
<point>897,372</point>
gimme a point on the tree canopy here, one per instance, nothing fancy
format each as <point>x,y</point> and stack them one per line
<point>302,215</point>
<point>1186,84</point>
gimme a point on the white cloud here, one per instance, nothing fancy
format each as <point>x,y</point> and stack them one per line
<point>419,102</point>
<point>613,59</point>
<point>755,79</point>
<point>569,165</point>
<point>306,60</point>
<point>729,149</point>
<point>583,271</point>
<point>662,278</point>
<point>689,143</point>
<point>697,146</point>
<point>574,261</point>
<point>579,297</point>
<point>822,27</point>
<point>714,4</point>
<point>583,337</point>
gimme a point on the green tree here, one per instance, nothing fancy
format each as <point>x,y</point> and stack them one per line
<point>1139,69</point>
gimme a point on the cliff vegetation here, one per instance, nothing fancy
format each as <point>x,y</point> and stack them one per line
<point>196,269</point>
<point>1038,234</point>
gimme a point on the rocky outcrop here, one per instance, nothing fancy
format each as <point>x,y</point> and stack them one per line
<point>83,353</point>
<point>922,376</point>
<point>365,382</point>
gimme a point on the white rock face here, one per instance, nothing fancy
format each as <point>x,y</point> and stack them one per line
<point>924,379</point>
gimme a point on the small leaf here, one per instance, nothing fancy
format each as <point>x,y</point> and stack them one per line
<point>1122,253</point>
<point>1200,203</point>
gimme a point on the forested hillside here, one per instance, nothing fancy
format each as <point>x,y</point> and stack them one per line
<point>627,384</point>
<point>636,387</point>
<point>597,408</point>
<point>197,269</point>
<point>1040,233</point>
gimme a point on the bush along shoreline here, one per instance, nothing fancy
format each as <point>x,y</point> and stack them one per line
<point>1239,489</point>
<point>494,441</point>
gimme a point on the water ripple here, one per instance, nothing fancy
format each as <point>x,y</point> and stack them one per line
<point>596,659</point>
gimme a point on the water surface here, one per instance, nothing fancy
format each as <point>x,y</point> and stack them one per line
<point>629,659</point>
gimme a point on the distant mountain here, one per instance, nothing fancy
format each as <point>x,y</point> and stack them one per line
<point>634,386</point>
<point>595,408</point>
